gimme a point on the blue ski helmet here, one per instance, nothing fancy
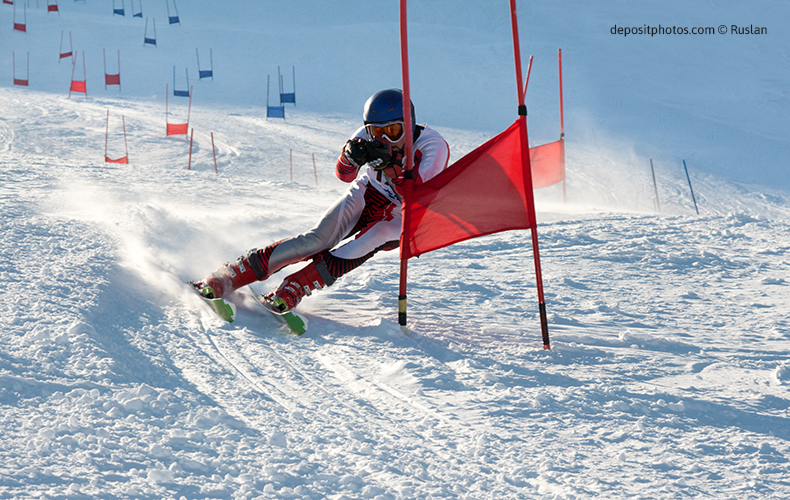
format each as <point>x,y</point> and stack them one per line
<point>386,106</point>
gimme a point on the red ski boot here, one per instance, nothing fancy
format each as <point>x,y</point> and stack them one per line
<point>296,286</point>
<point>229,277</point>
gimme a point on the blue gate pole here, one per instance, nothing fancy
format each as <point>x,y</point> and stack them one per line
<point>691,188</point>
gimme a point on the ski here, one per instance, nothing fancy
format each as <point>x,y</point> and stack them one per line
<point>224,308</point>
<point>293,320</point>
<point>227,310</point>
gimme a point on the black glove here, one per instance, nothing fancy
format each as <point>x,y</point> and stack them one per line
<point>356,152</point>
<point>379,155</point>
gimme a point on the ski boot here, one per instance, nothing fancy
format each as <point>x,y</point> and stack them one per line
<point>229,277</point>
<point>296,286</point>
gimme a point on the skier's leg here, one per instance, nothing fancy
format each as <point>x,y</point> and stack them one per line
<point>258,265</point>
<point>330,265</point>
<point>336,223</point>
<point>247,269</point>
<point>311,277</point>
<point>380,235</point>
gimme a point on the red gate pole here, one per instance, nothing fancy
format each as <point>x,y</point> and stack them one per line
<point>529,70</point>
<point>562,126</point>
<point>189,109</point>
<point>125,144</point>
<point>562,115</point>
<point>522,118</point>
<point>104,55</point>
<point>84,74</point>
<point>106,134</point>
<point>191,136</point>
<point>73,67</point>
<point>407,175</point>
<point>315,171</point>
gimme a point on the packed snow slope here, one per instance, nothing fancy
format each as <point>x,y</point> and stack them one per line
<point>669,373</point>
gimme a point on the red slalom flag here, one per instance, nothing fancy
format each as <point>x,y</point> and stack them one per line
<point>124,160</point>
<point>177,128</point>
<point>78,86</point>
<point>482,193</point>
<point>547,163</point>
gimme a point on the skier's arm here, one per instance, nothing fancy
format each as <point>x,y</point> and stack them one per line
<point>352,157</point>
<point>344,171</point>
<point>431,156</point>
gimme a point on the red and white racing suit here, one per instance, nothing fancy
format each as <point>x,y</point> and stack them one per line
<point>370,212</point>
<point>365,220</point>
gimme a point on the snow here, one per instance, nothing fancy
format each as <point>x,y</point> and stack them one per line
<point>669,372</point>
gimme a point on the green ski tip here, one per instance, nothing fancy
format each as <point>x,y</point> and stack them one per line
<point>226,310</point>
<point>296,322</point>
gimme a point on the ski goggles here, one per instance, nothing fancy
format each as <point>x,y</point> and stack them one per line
<point>393,131</point>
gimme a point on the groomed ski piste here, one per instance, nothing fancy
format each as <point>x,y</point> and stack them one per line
<point>668,375</point>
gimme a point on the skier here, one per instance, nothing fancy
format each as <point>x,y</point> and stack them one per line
<point>370,211</point>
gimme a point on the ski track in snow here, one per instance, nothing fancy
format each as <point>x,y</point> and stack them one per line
<point>668,376</point>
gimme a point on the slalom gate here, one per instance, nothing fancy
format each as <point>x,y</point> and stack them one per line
<point>273,111</point>
<point>70,53</point>
<point>176,128</point>
<point>146,39</point>
<point>287,97</point>
<point>172,19</point>
<point>181,93</point>
<point>125,158</point>
<point>19,81</point>
<point>444,210</point>
<point>547,161</point>
<point>205,73</point>
<point>79,86</point>
<point>23,25</point>
<point>114,79</point>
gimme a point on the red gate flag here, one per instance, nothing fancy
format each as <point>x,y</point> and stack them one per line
<point>482,193</point>
<point>177,128</point>
<point>548,164</point>
<point>112,80</point>
<point>124,160</point>
<point>107,159</point>
<point>78,86</point>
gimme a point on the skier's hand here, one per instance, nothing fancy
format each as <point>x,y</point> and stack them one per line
<point>356,152</point>
<point>380,156</point>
